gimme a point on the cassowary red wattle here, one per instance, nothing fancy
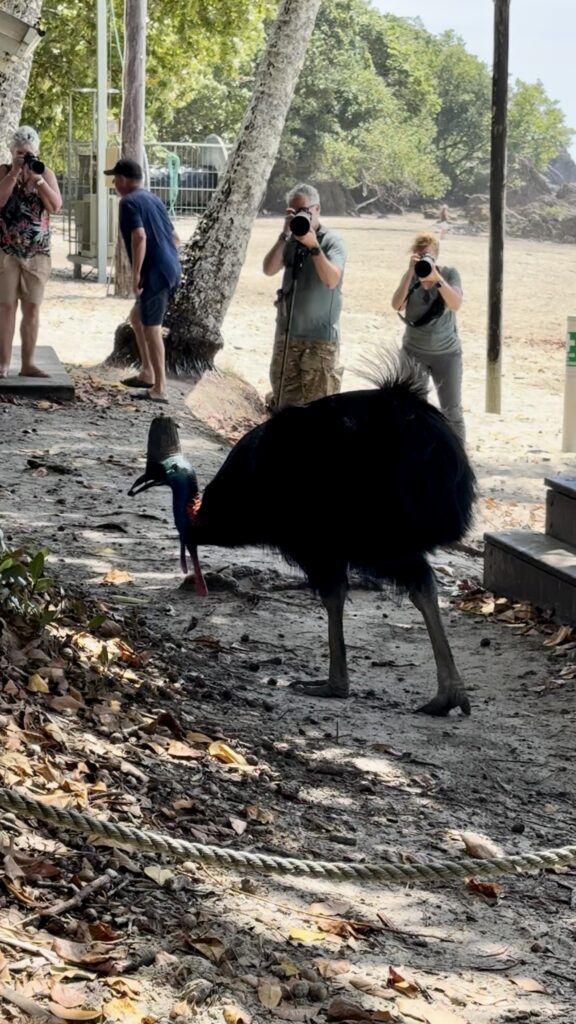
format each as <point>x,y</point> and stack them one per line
<point>371,480</point>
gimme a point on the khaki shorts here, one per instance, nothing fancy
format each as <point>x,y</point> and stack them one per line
<point>23,279</point>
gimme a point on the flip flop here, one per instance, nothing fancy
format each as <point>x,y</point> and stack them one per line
<point>135,382</point>
<point>151,398</point>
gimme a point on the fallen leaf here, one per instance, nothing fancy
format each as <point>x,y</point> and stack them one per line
<point>269,994</point>
<point>343,1009</point>
<point>234,1015</point>
<point>126,986</point>
<point>401,984</point>
<point>369,986</point>
<point>198,737</point>
<point>260,814</point>
<point>480,847</point>
<point>36,684</point>
<point>209,946</point>
<point>288,969</point>
<point>562,634</point>
<point>420,1010</point>
<point>298,1014</point>
<point>124,1010</point>
<point>306,936</point>
<point>328,969</point>
<point>68,995</point>
<point>238,825</point>
<point>158,874</point>
<point>222,752</point>
<point>179,1010</point>
<point>528,984</point>
<point>117,576</point>
<point>491,890</point>
<point>178,749</point>
<point>75,1014</point>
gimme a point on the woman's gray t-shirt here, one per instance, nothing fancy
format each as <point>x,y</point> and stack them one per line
<point>439,336</point>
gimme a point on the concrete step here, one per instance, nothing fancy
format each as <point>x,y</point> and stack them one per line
<point>526,566</point>
<point>58,386</point>
<point>561,508</point>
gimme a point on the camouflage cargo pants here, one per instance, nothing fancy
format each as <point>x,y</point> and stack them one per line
<point>312,370</point>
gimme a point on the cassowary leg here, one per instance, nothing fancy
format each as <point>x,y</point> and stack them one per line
<point>337,684</point>
<point>451,693</point>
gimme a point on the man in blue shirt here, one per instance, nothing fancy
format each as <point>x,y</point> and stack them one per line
<point>150,242</point>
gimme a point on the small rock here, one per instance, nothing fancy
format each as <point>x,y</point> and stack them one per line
<point>318,992</point>
<point>248,885</point>
<point>485,641</point>
<point>518,827</point>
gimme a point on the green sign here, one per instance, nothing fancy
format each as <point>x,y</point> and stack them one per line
<point>571,350</point>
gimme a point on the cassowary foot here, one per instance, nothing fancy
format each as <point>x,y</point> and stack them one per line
<point>442,704</point>
<point>327,689</point>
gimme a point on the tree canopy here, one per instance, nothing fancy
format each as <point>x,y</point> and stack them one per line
<point>382,103</point>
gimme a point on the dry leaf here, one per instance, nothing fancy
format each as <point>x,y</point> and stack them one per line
<point>306,936</point>
<point>260,814</point>
<point>210,947</point>
<point>561,635</point>
<point>480,847</point>
<point>158,874</point>
<point>297,1014</point>
<point>222,752</point>
<point>238,825</point>
<point>401,984</point>
<point>370,987</point>
<point>328,969</point>
<point>126,986</point>
<point>178,749</point>
<point>124,1010</point>
<point>117,576</point>
<point>68,995</point>
<point>234,1015</point>
<point>288,969</point>
<point>74,1014</point>
<point>420,1010</point>
<point>198,737</point>
<point>343,1009</point>
<point>491,890</point>
<point>37,685</point>
<point>528,984</point>
<point>269,994</point>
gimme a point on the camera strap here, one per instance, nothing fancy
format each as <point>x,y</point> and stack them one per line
<point>434,311</point>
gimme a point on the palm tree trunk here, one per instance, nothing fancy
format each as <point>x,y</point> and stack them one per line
<point>14,77</point>
<point>214,256</point>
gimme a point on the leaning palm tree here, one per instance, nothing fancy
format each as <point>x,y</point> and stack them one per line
<point>14,75</point>
<point>214,256</point>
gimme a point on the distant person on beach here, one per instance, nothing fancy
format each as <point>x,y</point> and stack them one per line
<point>151,244</point>
<point>427,299</point>
<point>29,193</point>
<point>443,221</point>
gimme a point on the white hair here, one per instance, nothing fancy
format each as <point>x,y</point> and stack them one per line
<point>26,136</point>
<point>310,193</point>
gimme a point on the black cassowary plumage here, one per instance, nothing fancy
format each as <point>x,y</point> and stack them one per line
<point>372,480</point>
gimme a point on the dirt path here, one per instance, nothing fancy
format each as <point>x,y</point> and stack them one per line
<point>346,780</point>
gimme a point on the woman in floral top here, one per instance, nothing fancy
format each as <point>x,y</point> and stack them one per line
<point>26,201</point>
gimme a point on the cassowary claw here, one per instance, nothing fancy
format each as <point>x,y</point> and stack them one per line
<point>326,689</point>
<point>442,704</point>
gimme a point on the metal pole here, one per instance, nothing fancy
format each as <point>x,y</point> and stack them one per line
<point>569,426</point>
<point>102,138</point>
<point>497,204</point>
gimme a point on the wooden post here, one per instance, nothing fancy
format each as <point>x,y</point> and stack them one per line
<point>133,115</point>
<point>497,204</point>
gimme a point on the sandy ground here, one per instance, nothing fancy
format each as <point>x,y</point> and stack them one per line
<point>348,780</point>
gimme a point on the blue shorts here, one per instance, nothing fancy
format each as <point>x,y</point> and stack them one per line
<point>152,305</point>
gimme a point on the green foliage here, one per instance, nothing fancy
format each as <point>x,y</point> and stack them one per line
<point>537,128</point>
<point>381,102</point>
<point>24,590</point>
<point>190,44</point>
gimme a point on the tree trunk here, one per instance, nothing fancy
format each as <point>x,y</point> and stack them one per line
<point>14,78</point>
<point>213,258</point>
<point>132,118</point>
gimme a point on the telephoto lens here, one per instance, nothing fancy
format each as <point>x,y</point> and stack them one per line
<point>300,223</point>
<point>424,266</point>
<point>35,165</point>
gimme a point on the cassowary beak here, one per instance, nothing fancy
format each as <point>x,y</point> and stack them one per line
<point>143,483</point>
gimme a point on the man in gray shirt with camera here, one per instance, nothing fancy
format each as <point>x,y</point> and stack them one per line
<point>309,303</point>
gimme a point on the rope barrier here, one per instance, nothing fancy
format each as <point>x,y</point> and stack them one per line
<point>181,849</point>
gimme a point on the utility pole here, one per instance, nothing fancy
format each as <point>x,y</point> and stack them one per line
<point>101,139</point>
<point>133,115</point>
<point>497,204</point>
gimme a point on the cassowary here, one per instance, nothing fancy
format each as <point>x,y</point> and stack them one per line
<point>370,480</point>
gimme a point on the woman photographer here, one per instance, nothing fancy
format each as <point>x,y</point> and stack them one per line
<point>29,193</point>
<point>427,299</point>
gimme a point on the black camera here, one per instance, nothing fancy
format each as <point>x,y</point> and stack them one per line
<point>301,222</point>
<point>425,265</point>
<point>35,165</point>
